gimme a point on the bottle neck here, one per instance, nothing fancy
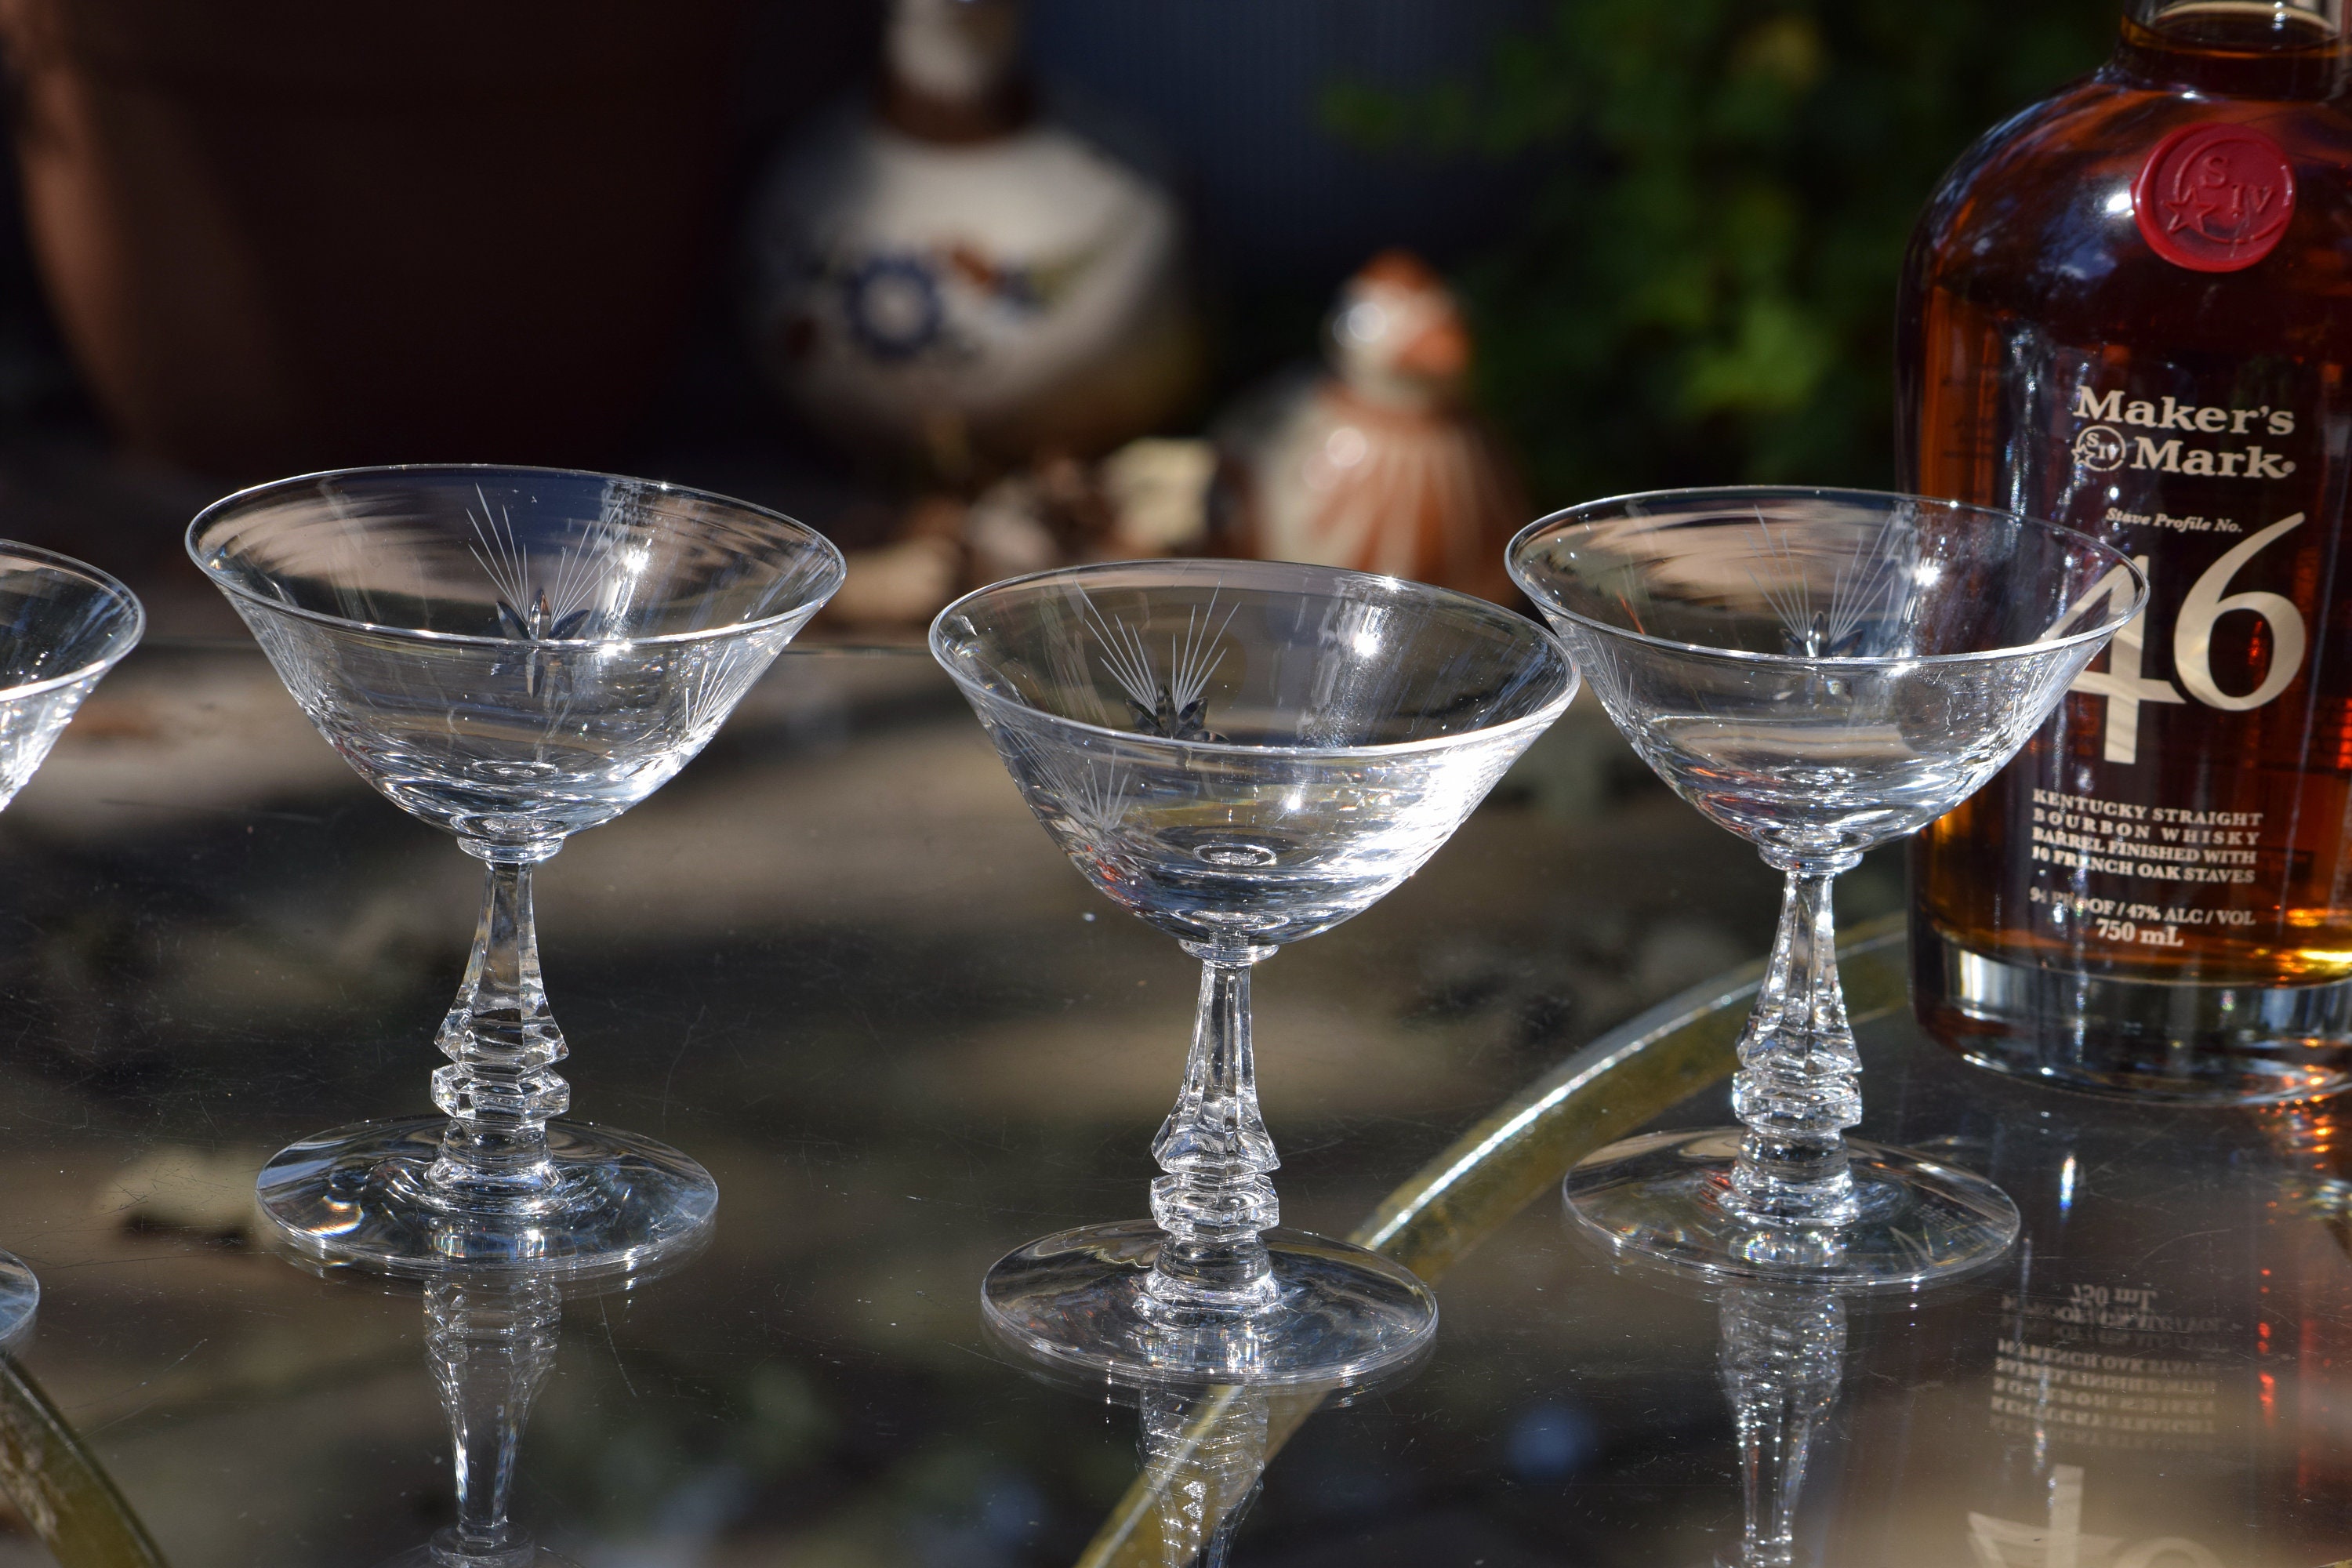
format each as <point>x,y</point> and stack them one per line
<point>951,69</point>
<point>2237,48</point>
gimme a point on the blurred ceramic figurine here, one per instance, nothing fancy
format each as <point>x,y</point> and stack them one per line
<point>943,276</point>
<point>1151,496</point>
<point>1376,466</point>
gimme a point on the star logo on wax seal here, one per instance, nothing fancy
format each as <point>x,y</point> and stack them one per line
<point>2214,197</point>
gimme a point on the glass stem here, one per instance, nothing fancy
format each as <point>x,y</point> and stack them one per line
<point>501,1086</point>
<point>1799,1087</point>
<point>1216,1196</point>
<point>1783,1357</point>
<point>490,1346</point>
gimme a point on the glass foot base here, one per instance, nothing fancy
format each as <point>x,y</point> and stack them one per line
<point>359,1196</point>
<point>1660,1197</point>
<point>20,1296</point>
<point>444,1551</point>
<point>1076,1302</point>
<point>2171,1041</point>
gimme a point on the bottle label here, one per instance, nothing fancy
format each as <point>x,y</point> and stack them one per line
<point>2171,797</point>
<point>2107,1367</point>
<point>2214,197</point>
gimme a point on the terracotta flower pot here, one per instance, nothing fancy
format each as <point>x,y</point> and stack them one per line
<point>281,235</point>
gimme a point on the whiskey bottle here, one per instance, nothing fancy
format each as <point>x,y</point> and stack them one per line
<point>2129,308</point>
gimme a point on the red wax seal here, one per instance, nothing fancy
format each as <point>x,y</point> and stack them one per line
<point>2214,198</point>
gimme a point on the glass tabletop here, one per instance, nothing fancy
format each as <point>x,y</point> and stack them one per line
<point>838,963</point>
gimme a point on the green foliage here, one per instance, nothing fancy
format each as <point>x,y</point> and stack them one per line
<point>1702,289</point>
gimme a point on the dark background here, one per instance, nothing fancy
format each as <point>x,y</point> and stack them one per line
<point>1678,227</point>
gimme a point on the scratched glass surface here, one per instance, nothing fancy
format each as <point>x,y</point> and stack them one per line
<point>838,961</point>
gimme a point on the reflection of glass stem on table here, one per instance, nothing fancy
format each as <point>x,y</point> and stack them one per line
<point>1203,1454</point>
<point>491,1344</point>
<point>1783,1357</point>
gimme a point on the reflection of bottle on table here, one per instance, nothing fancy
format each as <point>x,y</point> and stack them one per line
<point>2144,1387</point>
<point>2098,1391</point>
<point>2117,1403</point>
<point>2305,1327</point>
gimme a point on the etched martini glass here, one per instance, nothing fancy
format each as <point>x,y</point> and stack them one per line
<point>512,655</point>
<point>1242,754</point>
<point>62,627</point>
<point>1821,672</point>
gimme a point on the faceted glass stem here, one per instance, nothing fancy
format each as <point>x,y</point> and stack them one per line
<point>1783,1356</point>
<point>1798,1085</point>
<point>1204,1455</point>
<point>491,1346</point>
<point>501,1086</point>
<point>1217,1195</point>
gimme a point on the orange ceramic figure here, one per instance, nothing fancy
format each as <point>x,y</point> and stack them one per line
<point>1376,466</point>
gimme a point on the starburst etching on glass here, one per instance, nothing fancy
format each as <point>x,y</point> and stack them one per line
<point>716,678</point>
<point>1176,709</point>
<point>1094,798</point>
<point>559,608</point>
<point>1869,583</point>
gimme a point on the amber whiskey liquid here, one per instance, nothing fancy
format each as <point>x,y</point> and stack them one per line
<point>2129,308</point>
